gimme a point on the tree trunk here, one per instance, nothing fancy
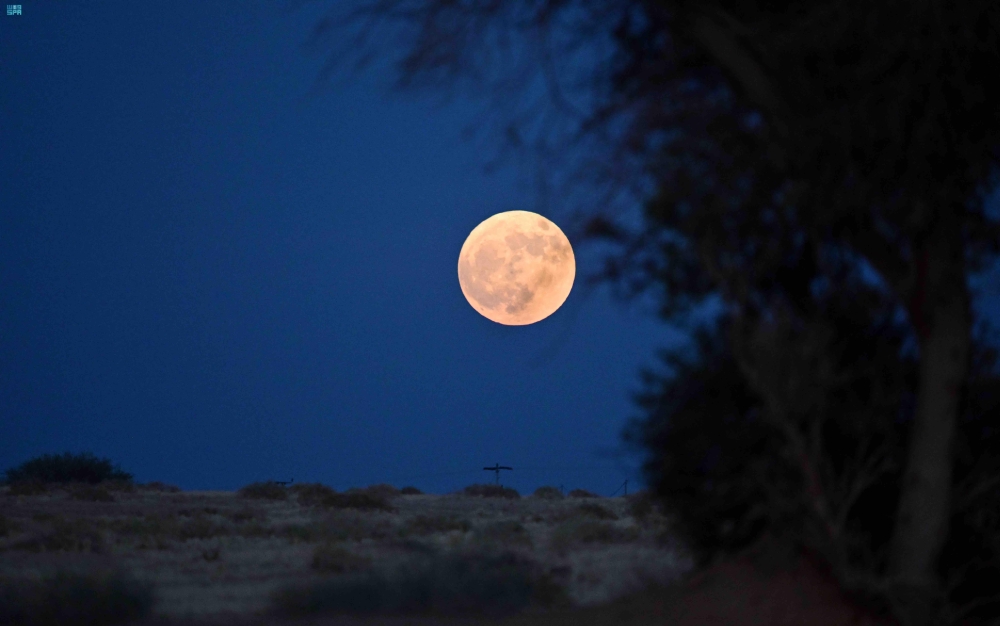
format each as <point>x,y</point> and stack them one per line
<point>941,314</point>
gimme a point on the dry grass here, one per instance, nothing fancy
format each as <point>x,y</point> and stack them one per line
<point>72,599</point>
<point>574,532</point>
<point>443,584</point>
<point>597,511</point>
<point>28,488</point>
<point>214,552</point>
<point>335,558</point>
<point>90,493</point>
<point>503,534</point>
<point>6,526</point>
<point>423,525</point>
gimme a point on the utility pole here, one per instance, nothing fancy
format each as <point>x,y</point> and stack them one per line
<point>496,468</point>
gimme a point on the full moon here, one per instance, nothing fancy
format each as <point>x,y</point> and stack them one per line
<point>516,268</point>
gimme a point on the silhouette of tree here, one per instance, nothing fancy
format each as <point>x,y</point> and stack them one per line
<point>788,149</point>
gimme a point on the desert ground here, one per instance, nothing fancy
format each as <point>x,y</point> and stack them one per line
<point>265,556</point>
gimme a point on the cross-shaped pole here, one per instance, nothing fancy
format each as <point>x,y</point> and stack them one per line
<point>496,468</point>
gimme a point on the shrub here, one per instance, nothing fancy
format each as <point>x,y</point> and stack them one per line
<point>491,491</point>
<point>410,491</point>
<point>255,530</point>
<point>64,536</point>
<point>122,486</point>
<point>67,599</point>
<point>575,532</point>
<point>90,493</point>
<point>150,527</point>
<point>445,584</point>
<point>28,488</point>
<point>596,510</point>
<point>310,494</point>
<point>644,507</point>
<point>381,490</point>
<point>157,486</point>
<point>332,558</point>
<point>431,525</point>
<point>505,533</point>
<point>548,493</point>
<point>351,527</point>
<point>263,491</point>
<point>200,528</point>
<point>305,533</point>
<point>358,500</point>
<point>582,493</point>
<point>245,515</point>
<point>66,468</point>
<point>6,526</point>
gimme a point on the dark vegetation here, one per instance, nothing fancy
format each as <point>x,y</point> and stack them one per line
<point>491,491</point>
<point>65,468</point>
<point>548,493</point>
<point>582,493</point>
<point>360,500</point>
<point>68,599</point>
<point>311,494</point>
<point>443,584</point>
<point>263,491</point>
<point>410,491</point>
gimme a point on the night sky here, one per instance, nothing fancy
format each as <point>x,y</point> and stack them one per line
<point>212,276</point>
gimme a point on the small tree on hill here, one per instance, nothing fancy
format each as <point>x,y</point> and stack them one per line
<point>67,468</point>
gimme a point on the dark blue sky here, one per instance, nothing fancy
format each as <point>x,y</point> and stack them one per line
<point>212,278</point>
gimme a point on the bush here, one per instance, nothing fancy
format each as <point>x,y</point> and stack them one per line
<point>381,490</point>
<point>157,486</point>
<point>6,526</point>
<point>505,533</point>
<point>575,532</point>
<point>263,491</point>
<point>200,528</point>
<point>90,493</point>
<point>445,584</point>
<point>74,600</point>
<point>28,488</point>
<point>245,515</point>
<point>64,536</point>
<point>121,486</point>
<point>410,491</point>
<point>491,491</point>
<point>582,493</point>
<point>358,500</point>
<point>66,468</point>
<point>422,525</point>
<point>333,558</point>
<point>596,510</point>
<point>310,494</point>
<point>548,493</point>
